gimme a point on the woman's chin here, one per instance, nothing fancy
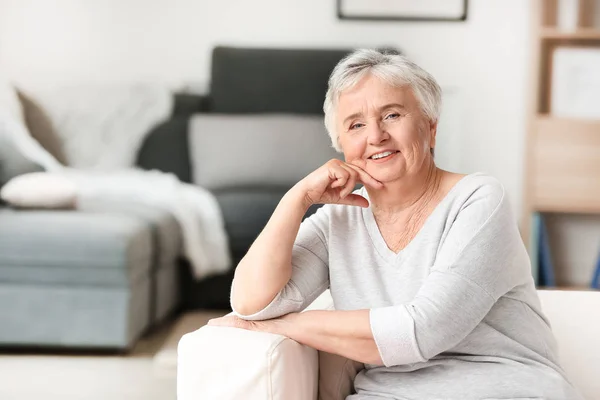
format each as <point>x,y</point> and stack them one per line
<point>385,176</point>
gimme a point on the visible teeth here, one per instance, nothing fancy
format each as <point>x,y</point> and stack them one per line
<point>381,155</point>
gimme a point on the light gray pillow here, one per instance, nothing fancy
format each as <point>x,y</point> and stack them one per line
<point>233,150</point>
<point>12,162</point>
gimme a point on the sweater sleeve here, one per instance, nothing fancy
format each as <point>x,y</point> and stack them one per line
<point>481,258</point>
<point>310,270</point>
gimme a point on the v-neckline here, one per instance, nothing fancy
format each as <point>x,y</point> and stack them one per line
<point>377,238</point>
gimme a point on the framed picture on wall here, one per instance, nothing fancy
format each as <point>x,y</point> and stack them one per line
<point>403,10</point>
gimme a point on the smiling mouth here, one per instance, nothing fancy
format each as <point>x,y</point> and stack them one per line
<point>382,156</point>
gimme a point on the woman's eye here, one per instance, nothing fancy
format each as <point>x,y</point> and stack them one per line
<point>356,126</point>
<point>392,116</point>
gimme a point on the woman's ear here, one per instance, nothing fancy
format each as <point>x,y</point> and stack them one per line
<point>432,134</point>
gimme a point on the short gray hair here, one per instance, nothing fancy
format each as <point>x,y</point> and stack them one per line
<point>395,69</point>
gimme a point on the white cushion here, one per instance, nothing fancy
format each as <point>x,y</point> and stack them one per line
<point>232,364</point>
<point>40,190</point>
<point>574,319</point>
<point>323,302</point>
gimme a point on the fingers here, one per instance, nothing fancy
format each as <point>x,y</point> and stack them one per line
<point>365,178</point>
<point>350,181</point>
<point>340,175</point>
<point>343,178</point>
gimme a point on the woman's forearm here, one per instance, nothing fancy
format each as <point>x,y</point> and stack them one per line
<point>346,333</point>
<point>267,266</point>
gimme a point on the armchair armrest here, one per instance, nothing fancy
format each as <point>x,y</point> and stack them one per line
<point>231,364</point>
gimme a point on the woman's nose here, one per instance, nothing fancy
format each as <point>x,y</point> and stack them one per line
<point>377,133</point>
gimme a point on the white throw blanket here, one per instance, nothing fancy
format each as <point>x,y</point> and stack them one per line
<point>196,209</point>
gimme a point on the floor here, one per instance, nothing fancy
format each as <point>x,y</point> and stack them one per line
<point>135,376</point>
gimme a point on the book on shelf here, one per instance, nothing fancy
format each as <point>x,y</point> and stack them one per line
<point>534,247</point>
<point>596,278</point>
<point>543,256</point>
<point>542,266</point>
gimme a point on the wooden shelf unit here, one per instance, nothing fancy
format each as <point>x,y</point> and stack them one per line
<point>565,165</point>
<point>562,156</point>
<point>588,34</point>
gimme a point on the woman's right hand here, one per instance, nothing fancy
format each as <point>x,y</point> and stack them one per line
<point>334,182</point>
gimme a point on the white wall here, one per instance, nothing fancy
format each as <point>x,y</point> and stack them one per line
<point>485,58</point>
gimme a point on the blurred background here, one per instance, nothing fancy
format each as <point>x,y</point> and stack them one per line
<point>224,98</point>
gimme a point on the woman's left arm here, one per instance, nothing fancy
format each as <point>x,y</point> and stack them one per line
<point>346,333</point>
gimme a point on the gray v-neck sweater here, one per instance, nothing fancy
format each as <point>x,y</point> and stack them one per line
<point>455,314</point>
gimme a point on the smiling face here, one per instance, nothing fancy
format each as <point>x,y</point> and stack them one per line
<point>383,130</point>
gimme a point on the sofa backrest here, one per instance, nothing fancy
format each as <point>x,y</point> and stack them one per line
<point>259,80</point>
<point>246,81</point>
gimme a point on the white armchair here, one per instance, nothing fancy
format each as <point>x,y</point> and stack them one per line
<point>230,363</point>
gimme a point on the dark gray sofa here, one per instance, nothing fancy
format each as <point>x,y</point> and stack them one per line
<point>251,82</point>
<point>100,276</point>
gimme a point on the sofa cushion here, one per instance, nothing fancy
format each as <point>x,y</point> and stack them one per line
<point>253,80</point>
<point>168,239</point>
<point>336,376</point>
<point>167,243</point>
<point>77,316</point>
<point>40,190</point>
<point>73,247</point>
<point>248,150</point>
<point>246,211</point>
<point>336,373</point>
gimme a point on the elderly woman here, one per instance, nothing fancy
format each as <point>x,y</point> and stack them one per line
<point>430,279</point>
